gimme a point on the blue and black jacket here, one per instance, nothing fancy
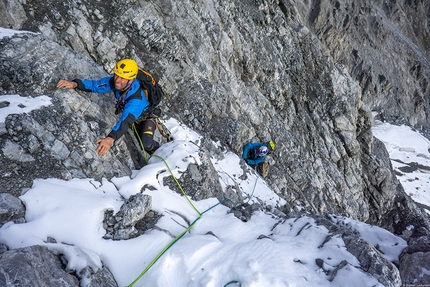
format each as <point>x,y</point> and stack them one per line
<point>135,102</point>
<point>250,153</point>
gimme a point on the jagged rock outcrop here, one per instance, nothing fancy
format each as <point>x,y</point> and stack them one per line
<point>385,47</point>
<point>15,15</point>
<point>306,75</point>
<point>201,182</point>
<point>411,269</point>
<point>33,266</point>
<point>369,257</point>
<point>122,225</point>
<point>415,258</point>
<point>38,266</point>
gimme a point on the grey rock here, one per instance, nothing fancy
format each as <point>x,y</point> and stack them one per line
<point>102,278</point>
<point>134,218</point>
<point>194,172</point>
<point>11,208</point>
<point>400,28</point>
<point>418,244</point>
<point>415,258</point>
<point>15,152</point>
<point>125,233</point>
<point>33,266</point>
<point>200,181</point>
<point>244,211</point>
<point>412,268</point>
<point>12,14</point>
<point>3,248</point>
<point>136,207</point>
<point>371,260</point>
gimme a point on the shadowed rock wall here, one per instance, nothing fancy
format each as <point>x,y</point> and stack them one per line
<point>385,46</point>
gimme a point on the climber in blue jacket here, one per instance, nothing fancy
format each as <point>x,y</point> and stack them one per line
<point>131,101</point>
<point>255,153</point>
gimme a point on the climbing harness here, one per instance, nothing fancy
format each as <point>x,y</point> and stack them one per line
<point>164,131</point>
<point>161,128</point>
<point>262,169</point>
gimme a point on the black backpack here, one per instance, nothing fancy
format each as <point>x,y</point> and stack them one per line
<point>154,92</point>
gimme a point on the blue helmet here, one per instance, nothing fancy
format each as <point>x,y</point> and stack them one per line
<point>262,151</point>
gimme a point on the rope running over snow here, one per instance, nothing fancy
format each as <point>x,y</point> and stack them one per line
<point>189,227</point>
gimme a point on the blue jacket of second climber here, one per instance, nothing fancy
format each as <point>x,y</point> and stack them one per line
<point>135,101</point>
<point>250,153</point>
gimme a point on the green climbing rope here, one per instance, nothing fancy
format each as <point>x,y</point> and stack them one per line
<point>162,252</point>
<point>146,155</point>
<point>188,228</point>
<point>177,182</point>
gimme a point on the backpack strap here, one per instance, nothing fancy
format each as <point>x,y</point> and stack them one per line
<point>149,75</point>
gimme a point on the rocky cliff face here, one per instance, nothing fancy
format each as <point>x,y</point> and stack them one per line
<point>236,71</point>
<point>305,74</point>
<point>385,47</point>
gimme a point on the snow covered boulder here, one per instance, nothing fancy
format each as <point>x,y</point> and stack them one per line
<point>133,219</point>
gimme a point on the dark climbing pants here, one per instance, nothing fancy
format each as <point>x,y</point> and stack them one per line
<point>146,129</point>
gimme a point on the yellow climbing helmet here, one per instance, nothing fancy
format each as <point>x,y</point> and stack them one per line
<point>126,69</point>
<point>272,145</point>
